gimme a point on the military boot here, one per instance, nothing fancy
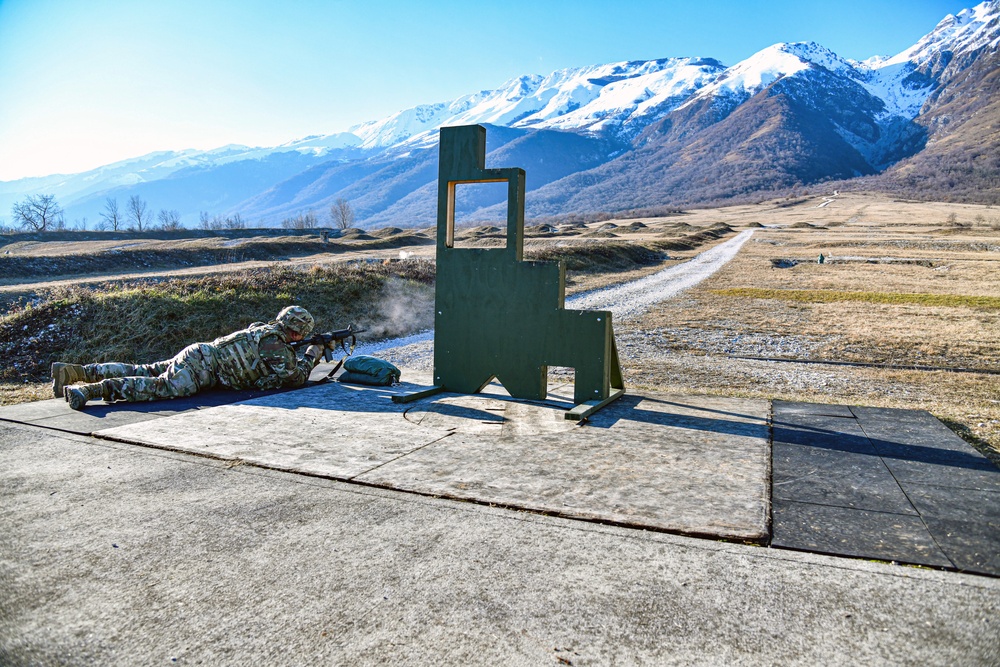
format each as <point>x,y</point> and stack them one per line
<point>77,396</point>
<point>64,375</point>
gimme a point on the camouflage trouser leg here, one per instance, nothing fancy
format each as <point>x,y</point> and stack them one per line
<point>98,372</point>
<point>184,375</point>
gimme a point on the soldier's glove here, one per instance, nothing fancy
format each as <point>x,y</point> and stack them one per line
<point>314,352</point>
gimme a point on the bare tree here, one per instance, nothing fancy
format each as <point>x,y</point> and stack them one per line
<point>38,212</point>
<point>137,212</point>
<point>218,222</point>
<point>169,220</point>
<point>341,214</point>
<point>110,215</point>
<point>301,221</point>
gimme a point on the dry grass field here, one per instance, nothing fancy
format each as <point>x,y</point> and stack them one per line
<point>903,285</point>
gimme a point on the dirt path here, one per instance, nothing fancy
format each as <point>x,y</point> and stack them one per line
<point>630,300</point>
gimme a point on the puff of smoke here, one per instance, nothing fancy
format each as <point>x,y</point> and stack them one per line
<point>404,308</point>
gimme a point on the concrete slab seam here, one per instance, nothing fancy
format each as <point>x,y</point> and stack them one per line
<point>405,454</point>
<point>872,559</point>
<point>175,450</point>
<point>36,424</point>
<point>769,475</point>
<point>59,431</point>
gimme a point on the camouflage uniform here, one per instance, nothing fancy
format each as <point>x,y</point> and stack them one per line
<point>258,357</point>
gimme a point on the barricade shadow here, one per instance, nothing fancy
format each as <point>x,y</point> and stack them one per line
<point>627,409</point>
<point>839,441</point>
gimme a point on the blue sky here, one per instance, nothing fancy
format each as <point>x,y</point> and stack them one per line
<point>87,82</point>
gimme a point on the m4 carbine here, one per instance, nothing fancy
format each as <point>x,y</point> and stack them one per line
<point>330,341</point>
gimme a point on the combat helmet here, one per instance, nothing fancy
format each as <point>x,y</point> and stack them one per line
<point>296,319</point>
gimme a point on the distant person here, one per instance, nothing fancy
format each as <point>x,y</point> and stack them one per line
<point>258,357</point>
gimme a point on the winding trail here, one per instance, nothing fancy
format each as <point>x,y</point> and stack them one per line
<point>828,200</point>
<point>630,300</point>
<point>627,301</point>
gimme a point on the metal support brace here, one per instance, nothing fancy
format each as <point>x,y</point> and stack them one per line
<point>584,410</point>
<point>417,395</point>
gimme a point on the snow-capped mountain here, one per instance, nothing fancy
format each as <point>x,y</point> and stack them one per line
<point>672,131</point>
<point>905,81</point>
<point>619,98</point>
<point>743,80</point>
<point>969,30</point>
<point>889,80</point>
<point>796,114</point>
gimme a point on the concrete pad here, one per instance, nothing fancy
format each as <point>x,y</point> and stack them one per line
<point>333,430</point>
<point>692,464</point>
<point>119,555</point>
<point>697,465</point>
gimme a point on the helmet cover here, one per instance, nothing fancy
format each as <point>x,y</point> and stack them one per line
<point>296,319</point>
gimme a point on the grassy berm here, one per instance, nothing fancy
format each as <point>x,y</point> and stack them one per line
<point>149,320</point>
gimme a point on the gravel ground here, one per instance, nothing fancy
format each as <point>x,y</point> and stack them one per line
<point>415,352</point>
<point>726,342</point>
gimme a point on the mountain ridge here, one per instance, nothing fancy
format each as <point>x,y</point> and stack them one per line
<point>663,132</point>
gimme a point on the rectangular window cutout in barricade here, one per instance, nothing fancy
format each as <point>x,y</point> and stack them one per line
<point>497,316</point>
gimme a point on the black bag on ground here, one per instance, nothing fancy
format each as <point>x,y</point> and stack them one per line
<point>363,369</point>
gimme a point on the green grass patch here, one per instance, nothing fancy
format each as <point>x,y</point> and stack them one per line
<point>889,298</point>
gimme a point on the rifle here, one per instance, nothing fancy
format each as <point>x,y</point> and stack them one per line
<point>330,341</point>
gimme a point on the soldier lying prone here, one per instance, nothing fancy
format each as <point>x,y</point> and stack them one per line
<point>258,357</point>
